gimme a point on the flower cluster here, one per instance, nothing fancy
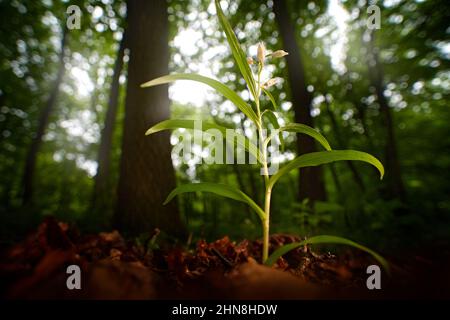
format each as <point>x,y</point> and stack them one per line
<point>261,56</point>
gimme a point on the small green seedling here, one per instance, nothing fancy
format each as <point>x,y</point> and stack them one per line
<point>257,87</point>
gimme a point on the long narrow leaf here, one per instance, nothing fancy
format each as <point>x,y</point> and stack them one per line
<point>219,189</point>
<point>220,87</point>
<point>173,124</point>
<point>274,121</point>
<point>324,239</point>
<point>301,128</point>
<point>271,98</point>
<point>238,54</point>
<point>318,158</point>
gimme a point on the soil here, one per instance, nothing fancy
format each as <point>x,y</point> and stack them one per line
<point>114,268</point>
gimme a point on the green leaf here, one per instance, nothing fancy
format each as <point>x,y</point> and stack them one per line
<point>219,189</point>
<point>190,124</point>
<point>173,124</point>
<point>318,158</point>
<point>272,99</point>
<point>301,128</point>
<point>274,121</point>
<point>238,54</point>
<point>220,87</point>
<point>324,239</point>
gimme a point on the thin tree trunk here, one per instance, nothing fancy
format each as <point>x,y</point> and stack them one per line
<point>342,145</point>
<point>393,174</point>
<point>146,172</point>
<point>310,180</point>
<point>101,196</point>
<point>30,162</point>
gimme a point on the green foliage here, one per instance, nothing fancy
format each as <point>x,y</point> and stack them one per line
<point>239,56</point>
<point>274,121</point>
<point>301,128</point>
<point>223,89</point>
<point>172,124</point>
<point>322,157</point>
<point>324,239</point>
<point>272,99</point>
<point>219,189</point>
<point>415,59</point>
<point>306,160</point>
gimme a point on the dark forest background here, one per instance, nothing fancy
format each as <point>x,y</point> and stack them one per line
<point>73,117</point>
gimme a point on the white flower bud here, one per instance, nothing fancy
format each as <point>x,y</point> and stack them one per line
<point>261,52</point>
<point>279,54</point>
<point>270,83</point>
<point>250,60</point>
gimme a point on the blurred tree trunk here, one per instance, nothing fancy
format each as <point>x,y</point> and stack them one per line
<point>30,162</point>
<point>310,179</point>
<point>395,187</point>
<point>102,196</point>
<point>146,172</point>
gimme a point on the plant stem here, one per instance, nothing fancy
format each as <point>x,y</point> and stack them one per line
<point>266,225</point>
<point>266,220</point>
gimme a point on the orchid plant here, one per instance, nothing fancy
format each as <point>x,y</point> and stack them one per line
<point>251,70</point>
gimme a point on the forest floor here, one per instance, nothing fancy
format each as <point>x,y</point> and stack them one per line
<point>113,268</point>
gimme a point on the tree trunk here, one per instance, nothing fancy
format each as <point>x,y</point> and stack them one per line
<point>102,196</point>
<point>30,162</point>
<point>146,171</point>
<point>310,179</point>
<point>395,187</point>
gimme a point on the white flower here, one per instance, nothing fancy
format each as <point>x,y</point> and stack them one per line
<point>269,83</point>
<point>261,52</point>
<point>279,54</point>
